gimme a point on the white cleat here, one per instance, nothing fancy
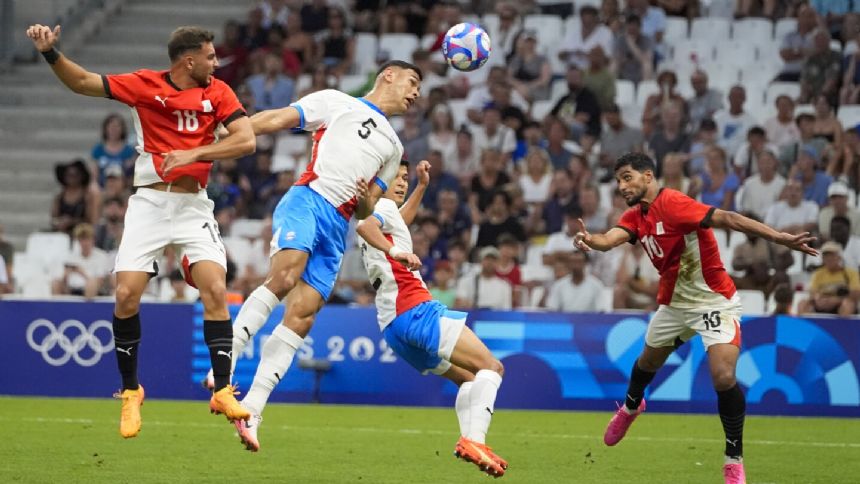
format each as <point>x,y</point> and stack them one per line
<point>248,432</point>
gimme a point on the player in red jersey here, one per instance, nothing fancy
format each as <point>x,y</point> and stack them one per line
<point>696,295</point>
<point>175,113</point>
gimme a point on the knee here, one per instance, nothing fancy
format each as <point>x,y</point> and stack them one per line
<point>214,294</point>
<point>283,282</point>
<point>494,365</point>
<point>724,378</point>
<point>300,321</point>
<point>127,301</point>
<point>648,364</point>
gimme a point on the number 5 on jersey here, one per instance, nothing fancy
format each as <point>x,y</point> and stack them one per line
<point>365,133</point>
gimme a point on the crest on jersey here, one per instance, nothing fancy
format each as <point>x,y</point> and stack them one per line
<point>659,229</point>
<point>207,106</point>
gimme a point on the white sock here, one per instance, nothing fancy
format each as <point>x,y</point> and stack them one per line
<point>252,316</point>
<point>482,399</point>
<point>275,359</point>
<point>461,406</point>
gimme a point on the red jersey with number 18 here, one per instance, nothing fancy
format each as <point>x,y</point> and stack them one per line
<point>674,231</point>
<point>167,118</point>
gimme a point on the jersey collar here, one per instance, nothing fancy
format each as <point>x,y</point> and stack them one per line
<point>645,206</point>
<point>372,106</point>
<point>170,81</point>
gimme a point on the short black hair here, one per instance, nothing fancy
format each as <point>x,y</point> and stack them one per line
<point>403,65</point>
<point>803,117</point>
<point>404,162</point>
<point>589,9</point>
<point>756,130</point>
<point>638,161</point>
<point>841,219</point>
<point>185,39</point>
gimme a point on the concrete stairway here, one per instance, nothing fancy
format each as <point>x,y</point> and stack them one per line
<point>41,122</point>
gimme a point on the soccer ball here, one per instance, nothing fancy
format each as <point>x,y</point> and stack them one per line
<point>466,46</point>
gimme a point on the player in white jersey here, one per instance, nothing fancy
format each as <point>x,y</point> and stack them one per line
<point>353,144</point>
<point>422,331</point>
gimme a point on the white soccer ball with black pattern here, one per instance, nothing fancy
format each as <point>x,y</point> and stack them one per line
<point>466,46</point>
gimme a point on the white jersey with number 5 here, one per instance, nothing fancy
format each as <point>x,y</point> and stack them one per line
<point>352,139</point>
<point>397,288</point>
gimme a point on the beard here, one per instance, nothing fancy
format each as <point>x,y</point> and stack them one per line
<point>636,198</point>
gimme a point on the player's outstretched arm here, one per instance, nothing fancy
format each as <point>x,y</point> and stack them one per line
<point>75,77</point>
<point>410,209</point>
<point>370,229</point>
<point>239,142</point>
<point>585,241</point>
<point>723,219</point>
<point>273,120</point>
<point>367,198</point>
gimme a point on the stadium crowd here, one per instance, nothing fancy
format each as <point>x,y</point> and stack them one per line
<point>524,147</point>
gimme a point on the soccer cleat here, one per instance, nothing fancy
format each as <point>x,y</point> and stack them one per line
<point>224,401</point>
<point>734,473</point>
<point>619,424</point>
<point>480,455</point>
<point>248,432</point>
<point>129,418</point>
<point>208,382</point>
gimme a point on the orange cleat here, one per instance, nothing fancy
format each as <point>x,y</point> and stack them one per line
<point>224,401</point>
<point>129,419</point>
<point>480,455</point>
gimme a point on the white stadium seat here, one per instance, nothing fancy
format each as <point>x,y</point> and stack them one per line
<point>753,30</point>
<point>776,89</point>
<point>710,29</point>
<point>549,28</point>
<point>752,301</point>
<point>676,31</point>
<point>784,26</point>
<point>702,49</point>
<point>366,46</point>
<point>625,92</point>
<point>246,227</point>
<point>399,46</point>
<point>645,90</point>
<point>849,115</point>
<point>541,108</point>
<point>490,22</point>
<point>736,52</point>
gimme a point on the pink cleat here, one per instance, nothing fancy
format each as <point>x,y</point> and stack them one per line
<point>734,473</point>
<point>248,432</point>
<point>619,424</point>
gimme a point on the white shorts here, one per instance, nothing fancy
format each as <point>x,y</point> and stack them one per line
<point>718,323</point>
<point>156,219</point>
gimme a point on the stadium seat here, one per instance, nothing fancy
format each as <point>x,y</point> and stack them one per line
<point>710,29</point>
<point>41,244</point>
<point>753,30</point>
<point>735,52</point>
<point>644,90</point>
<point>558,90</point>
<point>776,89</point>
<point>549,28</point>
<point>632,115</point>
<point>784,26</point>
<point>625,92</point>
<point>849,115</point>
<point>676,30</point>
<point>836,46</point>
<point>458,111</point>
<point>683,53</point>
<point>490,22</point>
<point>722,76</point>
<point>246,227</point>
<point>238,249</point>
<point>604,305</point>
<point>753,301</point>
<point>804,108</point>
<point>351,83</point>
<point>541,108</point>
<point>31,277</point>
<point>399,46</point>
<point>536,296</point>
<point>366,46</point>
<point>303,82</point>
<point>536,272</point>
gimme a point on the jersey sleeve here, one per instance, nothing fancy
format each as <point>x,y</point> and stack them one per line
<point>313,110</point>
<point>629,222</point>
<point>125,88</point>
<point>387,173</point>
<point>228,108</point>
<point>386,213</point>
<point>690,214</point>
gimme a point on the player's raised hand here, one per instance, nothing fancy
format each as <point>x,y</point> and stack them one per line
<point>582,238</point>
<point>408,259</point>
<point>422,171</point>
<point>176,159</point>
<point>43,37</point>
<point>361,189</point>
<point>799,242</point>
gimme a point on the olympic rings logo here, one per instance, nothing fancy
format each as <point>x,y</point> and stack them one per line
<point>72,337</point>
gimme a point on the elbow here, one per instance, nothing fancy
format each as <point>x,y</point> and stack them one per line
<point>249,144</point>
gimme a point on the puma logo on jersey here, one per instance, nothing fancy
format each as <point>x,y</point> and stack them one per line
<point>162,101</point>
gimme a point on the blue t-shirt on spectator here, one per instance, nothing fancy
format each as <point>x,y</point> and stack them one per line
<point>104,158</point>
<point>278,96</point>
<point>835,7</point>
<point>817,190</point>
<point>714,196</point>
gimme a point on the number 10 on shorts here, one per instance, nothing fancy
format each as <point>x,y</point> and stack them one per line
<point>712,320</point>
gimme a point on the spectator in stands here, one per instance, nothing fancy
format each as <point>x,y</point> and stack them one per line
<point>489,180</point>
<point>653,23</point>
<point>783,296</point>
<point>806,127</point>
<point>480,96</point>
<point>290,63</point>
<point>529,138</point>
<point>336,44</point>
<point>670,138</point>
<point>705,102</point>
<point>719,184</point>
<point>820,74</point>
<point>507,33</point>
<point>840,231</point>
<point>87,269</point>
<point>762,190</point>
<point>755,257</point>
<point>599,78</point>
<point>594,214</point>
<point>837,194</point>
<point>492,134</point>
<point>484,289</point>
<point>258,185</point>
<point>633,58</point>
<point>430,70</point>
<point>440,180</point>
<point>610,16</point>
<point>733,123</point>
<point>442,286</point>
<point>834,289</point>
<point>7,252</point>
<point>636,281</point>
<point>798,45</point>
<point>275,12</point>
<point>584,35</point>
<point>674,178</point>
<point>414,135</point>
<point>704,139</point>
<point>299,42</point>
<point>537,178</point>
<point>781,129</point>
<point>745,160</point>
<point>815,182</point>
<point>114,148</point>
<point>844,164</point>
<point>656,103</point>
<point>232,55</point>
<point>315,15</point>
<point>465,163</point>
<point>680,8</point>
<point>75,203</point>
<point>253,34</point>
<point>108,233</point>
<point>556,134</point>
<point>529,71</point>
<point>579,292</point>
<point>561,242</point>
<point>255,265</point>
<point>508,267</point>
<point>442,137</point>
<point>498,220</point>
<point>793,214</point>
<point>271,88</point>
<point>320,80</point>
<point>616,139</point>
<point>562,200</point>
<point>579,109</point>
<point>850,92</point>
<point>5,277</point>
<point>827,125</point>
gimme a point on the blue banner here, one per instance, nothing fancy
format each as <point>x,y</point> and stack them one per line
<point>788,365</point>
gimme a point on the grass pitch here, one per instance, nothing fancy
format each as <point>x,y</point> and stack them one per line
<point>68,440</point>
